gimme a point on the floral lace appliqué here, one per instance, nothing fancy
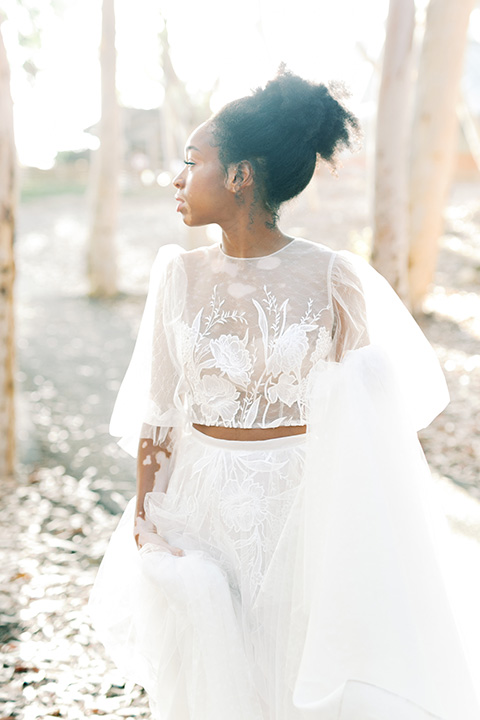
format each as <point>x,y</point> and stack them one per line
<point>322,346</point>
<point>236,374</point>
<point>232,357</point>
<point>243,505</point>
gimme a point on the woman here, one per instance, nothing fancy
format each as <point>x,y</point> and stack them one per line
<point>282,564</point>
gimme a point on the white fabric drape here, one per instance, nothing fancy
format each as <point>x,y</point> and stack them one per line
<point>354,617</point>
<point>372,571</point>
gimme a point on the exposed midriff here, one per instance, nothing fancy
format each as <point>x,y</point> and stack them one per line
<point>248,434</point>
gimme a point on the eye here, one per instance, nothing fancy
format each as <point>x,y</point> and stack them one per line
<point>188,162</point>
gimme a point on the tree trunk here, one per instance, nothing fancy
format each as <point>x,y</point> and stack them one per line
<point>102,260</point>
<point>176,111</point>
<point>435,135</point>
<point>176,122</point>
<point>7,270</point>
<point>470,130</point>
<point>390,238</point>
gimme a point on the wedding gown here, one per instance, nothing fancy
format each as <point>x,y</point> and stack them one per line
<point>313,584</point>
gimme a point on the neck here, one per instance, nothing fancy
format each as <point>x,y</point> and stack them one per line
<point>246,237</point>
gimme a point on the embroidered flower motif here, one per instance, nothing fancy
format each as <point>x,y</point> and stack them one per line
<point>322,346</point>
<point>234,375</point>
<point>286,390</point>
<point>243,505</point>
<point>232,358</point>
<point>289,350</point>
<point>217,398</point>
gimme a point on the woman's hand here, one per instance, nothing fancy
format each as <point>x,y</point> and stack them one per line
<point>152,474</point>
<point>145,532</point>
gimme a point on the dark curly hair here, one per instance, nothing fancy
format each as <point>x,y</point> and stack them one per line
<point>281,129</point>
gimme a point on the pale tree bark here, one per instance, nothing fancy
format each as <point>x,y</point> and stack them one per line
<point>434,135</point>
<point>390,231</point>
<point>102,258</point>
<point>470,130</point>
<point>175,113</point>
<point>7,270</point>
<point>176,120</point>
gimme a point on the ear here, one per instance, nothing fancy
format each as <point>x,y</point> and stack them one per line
<point>239,176</point>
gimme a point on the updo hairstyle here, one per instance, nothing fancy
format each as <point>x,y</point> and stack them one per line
<point>281,130</point>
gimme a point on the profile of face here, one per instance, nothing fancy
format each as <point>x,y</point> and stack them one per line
<point>202,193</point>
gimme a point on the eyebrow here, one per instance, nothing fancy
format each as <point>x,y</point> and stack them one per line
<point>191,147</point>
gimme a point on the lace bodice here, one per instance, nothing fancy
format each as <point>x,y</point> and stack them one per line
<point>234,342</point>
<point>251,330</point>
<point>242,335</point>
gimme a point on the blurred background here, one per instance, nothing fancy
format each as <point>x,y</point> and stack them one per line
<point>96,102</point>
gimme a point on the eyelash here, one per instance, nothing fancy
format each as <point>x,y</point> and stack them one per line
<point>187,162</point>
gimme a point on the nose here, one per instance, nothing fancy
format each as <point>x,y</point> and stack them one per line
<point>178,179</point>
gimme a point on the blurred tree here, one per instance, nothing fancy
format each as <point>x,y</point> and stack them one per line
<point>32,20</point>
<point>470,130</point>
<point>102,261</point>
<point>176,111</point>
<point>7,269</point>
<point>178,116</point>
<point>434,135</point>
<point>390,232</point>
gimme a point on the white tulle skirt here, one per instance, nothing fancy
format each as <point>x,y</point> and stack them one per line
<point>194,630</point>
<point>313,582</point>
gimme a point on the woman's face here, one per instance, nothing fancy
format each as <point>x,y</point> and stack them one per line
<point>202,194</point>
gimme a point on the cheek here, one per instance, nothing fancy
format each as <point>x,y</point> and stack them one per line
<point>206,191</point>
<point>214,178</point>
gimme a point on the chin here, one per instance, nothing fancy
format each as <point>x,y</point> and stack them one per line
<point>194,223</point>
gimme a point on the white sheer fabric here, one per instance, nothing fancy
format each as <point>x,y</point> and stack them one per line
<point>373,569</point>
<point>314,584</point>
<point>232,341</point>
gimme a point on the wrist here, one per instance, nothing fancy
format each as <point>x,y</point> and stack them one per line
<point>142,525</point>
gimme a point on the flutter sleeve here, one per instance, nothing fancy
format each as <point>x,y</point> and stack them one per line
<point>367,311</point>
<point>147,403</point>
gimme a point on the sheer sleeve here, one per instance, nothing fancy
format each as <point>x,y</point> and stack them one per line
<point>367,311</point>
<point>147,404</point>
<point>349,311</point>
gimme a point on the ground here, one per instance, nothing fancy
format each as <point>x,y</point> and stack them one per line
<point>73,480</point>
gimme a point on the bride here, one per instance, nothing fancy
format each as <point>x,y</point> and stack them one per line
<point>280,559</point>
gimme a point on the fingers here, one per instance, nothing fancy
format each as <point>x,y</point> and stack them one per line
<point>145,533</point>
<point>158,543</point>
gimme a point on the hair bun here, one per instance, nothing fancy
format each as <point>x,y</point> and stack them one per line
<point>313,112</point>
<point>282,129</point>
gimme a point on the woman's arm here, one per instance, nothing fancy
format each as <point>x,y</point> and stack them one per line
<point>153,462</point>
<point>349,309</point>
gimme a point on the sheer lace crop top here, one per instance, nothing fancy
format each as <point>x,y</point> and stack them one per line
<point>232,341</point>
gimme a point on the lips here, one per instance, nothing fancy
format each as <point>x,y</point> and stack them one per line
<point>180,202</point>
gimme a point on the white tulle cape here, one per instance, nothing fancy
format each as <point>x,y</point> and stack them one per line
<point>372,570</point>
<point>353,618</point>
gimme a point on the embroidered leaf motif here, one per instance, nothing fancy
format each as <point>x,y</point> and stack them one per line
<point>263,325</point>
<point>196,323</point>
<point>252,413</point>
<point>283,311</point>
<point>207,364</point>
<point>276,423</point>
<point>232,382</point>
